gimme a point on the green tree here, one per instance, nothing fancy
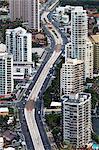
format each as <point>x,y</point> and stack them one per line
<point>95,137</point>
<point>95,29</point>
<point>55,131</point>
<point>98,10</point>
<point>67,145</point>
<point>53,120</point>
<point>6,25</point>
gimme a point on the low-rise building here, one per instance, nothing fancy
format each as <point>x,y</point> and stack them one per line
<point>21,69</point>
<point>61,14</point>
<point>9,135</point>
<point>4,111</point>
<point>55,104</point>
<point>39,39</point>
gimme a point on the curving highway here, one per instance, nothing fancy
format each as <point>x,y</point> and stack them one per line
<point>29,110</point>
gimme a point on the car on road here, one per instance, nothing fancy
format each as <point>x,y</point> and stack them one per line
<point>39,112</point>
<point>27,96</point>
<point>26,99</point>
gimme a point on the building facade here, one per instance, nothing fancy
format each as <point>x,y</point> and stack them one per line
<point>80,46</point>
<point>72,76</point>
<point>18,10</point>
<point>89,59</point>
<point>79,31</point>
<point>68,50</point>
<point>95,41</point>
<point>21,69</point>
<point>19,43</point>
<point>34,15</point>
<point>6,71</point>
<point>27,11</point>
<point>77,119</point>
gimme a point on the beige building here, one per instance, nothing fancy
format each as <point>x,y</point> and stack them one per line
<point>95,41</point>
<point>72,76</point>
<point>88,65</point>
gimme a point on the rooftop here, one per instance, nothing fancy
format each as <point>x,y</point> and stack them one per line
<point>88,40</point>
<point>9,148</point>
<point>1,139</point>
<point>39,36</point>
<point>18,30</point>
<point>78,9</point>
<point>9,135</point>
<point>73,61</point>
<point>2,48</point>
<point>95,38</point>
<point>55,104</point>
<point>96,15</point>
<point>76,97</point>
<point>4,109</point>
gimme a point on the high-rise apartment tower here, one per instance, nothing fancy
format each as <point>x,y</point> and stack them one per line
<point>80,47</point>
<point>6,71</point>
<point>18,10</point>
<point>77,119</point>
<point>72,76</point>
<point>34,14</point>
<point>19,43</point>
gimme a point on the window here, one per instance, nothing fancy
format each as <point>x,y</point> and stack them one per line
<point>18,70</point>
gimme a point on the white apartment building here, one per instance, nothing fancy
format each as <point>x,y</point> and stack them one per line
<point>72,76</point>
<point>34,14</point>
<point>81,48</point>
<point>19,43</point>
<point>77,119</point>
<point>6,71</point>
<point>18,10</point>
